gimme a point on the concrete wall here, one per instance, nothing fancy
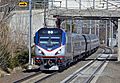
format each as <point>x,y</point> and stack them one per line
<point>19,22</point>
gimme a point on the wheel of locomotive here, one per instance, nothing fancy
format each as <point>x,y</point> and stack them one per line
<point>68,65</point>
<point>60,69</point>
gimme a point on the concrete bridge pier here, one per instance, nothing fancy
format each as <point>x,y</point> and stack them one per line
<point>118,40</point>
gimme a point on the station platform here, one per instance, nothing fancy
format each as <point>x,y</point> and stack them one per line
<point>111,73</point>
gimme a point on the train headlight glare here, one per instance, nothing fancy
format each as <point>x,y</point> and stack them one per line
<point>39,51</point>
<point>59,51</point>
<point>37,58</point>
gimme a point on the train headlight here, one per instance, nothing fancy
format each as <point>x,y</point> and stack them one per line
<point>40,51</point>
<point>37,58</point>
<point>58,52</point>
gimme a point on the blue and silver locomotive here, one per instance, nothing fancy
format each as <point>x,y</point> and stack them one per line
<point>56,49</point>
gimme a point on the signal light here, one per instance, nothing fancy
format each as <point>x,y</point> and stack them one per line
<point>60,61</point>
<point>38,60</point>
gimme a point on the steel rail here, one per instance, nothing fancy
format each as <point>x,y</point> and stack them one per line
<point>89,79</point>
<point>39,81</point>
<point>76,74</point>
<point>99,67</point>
<point>84,67</point>
<point>34,75</point>
<point>27,78</point>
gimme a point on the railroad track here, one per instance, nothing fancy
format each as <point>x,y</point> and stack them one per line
<point>88,72</point>
<point>107,50</point>
<point>89,79</point>
<point>27,78</point>
<point>39,76</point>
<point>35,78</point>
<point>48,76</point>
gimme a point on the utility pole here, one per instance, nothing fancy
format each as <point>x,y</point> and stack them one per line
<point>95,26</point>
<point>30,26</point>
<point>66,4</point>
<point>111,34</point>
<point>106,32</point>
<point>107,5</point>
<point>90,27</point>
<point>45,14</point>
<point>79,4</point>
<point>52,3</point>
<point>71,23</point>
<point>98,28</point>
<point>93,4</point>
<point>81,25</point>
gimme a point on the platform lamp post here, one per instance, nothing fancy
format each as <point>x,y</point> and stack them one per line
<point>30,26</point>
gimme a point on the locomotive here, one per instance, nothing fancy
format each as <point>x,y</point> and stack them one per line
<point>56,49</point>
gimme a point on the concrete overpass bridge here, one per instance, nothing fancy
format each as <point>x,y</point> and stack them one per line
<point>89,14</point>
<point>85,12</point>
<point>111,11</point>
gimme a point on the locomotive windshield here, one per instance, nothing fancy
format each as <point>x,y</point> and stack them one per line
<point>50,39</point>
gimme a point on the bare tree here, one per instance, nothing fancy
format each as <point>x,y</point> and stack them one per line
<point>7,45</point>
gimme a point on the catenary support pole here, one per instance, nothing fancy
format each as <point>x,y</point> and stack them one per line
<point>93,4</point>
<point>95,26</point>
<point>106,32</point>
<point>98,28</point>
<point>45,25</point>
<point>90,32</point>
<point>30,26</point>
<point>79,4</point>
<point>66,3</point>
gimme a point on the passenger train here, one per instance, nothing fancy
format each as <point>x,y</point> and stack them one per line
<point>56,49</point>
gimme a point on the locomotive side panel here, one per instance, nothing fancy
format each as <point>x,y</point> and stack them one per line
<point>94,42</point>
<point>69,48</point>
